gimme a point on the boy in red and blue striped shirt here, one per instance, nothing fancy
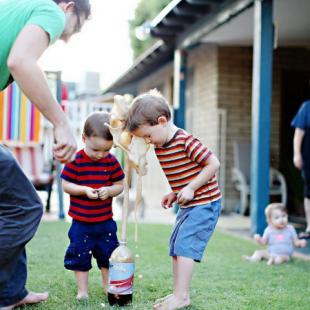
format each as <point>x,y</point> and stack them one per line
<point>92,179</point>
<point>190,168</point>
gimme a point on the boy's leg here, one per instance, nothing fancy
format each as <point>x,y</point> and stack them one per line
<point>174,270</point>
<point>257,256</point>
<point>82,283</point>
<point>105,275</point>
<point>180,297</point>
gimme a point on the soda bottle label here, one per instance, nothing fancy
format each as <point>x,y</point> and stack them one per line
<point>121,278</point>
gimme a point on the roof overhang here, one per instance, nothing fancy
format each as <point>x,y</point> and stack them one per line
<point>186,23</point>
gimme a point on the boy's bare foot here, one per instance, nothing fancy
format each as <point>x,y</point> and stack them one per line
<point>32,298</point>
<point>172,303</point>
<point>82,296</point>
<point>160,300</point>
<point>247,258</point>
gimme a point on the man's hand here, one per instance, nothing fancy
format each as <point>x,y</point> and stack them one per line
<point>185,195</point>
<point>168,200</point>
<point>65,147</point>
<point>103,193</point>
<point>91,193</point>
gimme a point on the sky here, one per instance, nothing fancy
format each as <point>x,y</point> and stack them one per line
<point>103,45</point>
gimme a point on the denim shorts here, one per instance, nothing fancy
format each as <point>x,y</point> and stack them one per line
<point>89,240</point>
<point>192,230</point>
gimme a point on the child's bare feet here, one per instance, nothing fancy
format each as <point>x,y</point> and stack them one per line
<point>172,303</point>
<point>82,296</point>
<point>32,298</point>
<point>160,300</point>
<point>247,258</point>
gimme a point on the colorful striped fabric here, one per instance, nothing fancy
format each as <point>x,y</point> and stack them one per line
<point>95,174</point>
<point>182,159</point>
<point>19,119</point>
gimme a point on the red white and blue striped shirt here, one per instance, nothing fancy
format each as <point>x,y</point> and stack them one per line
<point>182,159</point>
<point>84,171</point>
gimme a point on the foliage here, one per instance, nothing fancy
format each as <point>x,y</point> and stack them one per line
<point>221,281</point>
<point>145,11</point>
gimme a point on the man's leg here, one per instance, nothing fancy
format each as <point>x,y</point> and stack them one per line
<point>13,275</point>
<point>20,213</point>
<point>307,213</point>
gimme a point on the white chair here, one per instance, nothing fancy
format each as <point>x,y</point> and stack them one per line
<point>241,176</point>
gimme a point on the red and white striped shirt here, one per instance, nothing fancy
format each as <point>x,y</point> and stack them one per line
<point>95,174</point>
<point>182,159</point>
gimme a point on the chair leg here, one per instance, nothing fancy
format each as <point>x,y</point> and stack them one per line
<point>243,202</point>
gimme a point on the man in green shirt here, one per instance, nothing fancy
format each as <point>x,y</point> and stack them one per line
<point>27,28</point>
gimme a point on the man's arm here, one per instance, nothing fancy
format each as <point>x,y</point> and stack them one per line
<point>22,63</point>
<point>298,137</point>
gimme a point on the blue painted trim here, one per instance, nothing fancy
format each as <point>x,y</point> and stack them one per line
<point>261,112</point>
<point>179,114</point>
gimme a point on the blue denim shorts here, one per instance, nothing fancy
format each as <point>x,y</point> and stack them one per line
<point>193,229</point>
<point>89,240</point>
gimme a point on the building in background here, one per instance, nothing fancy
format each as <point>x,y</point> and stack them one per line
<point>233,71</point>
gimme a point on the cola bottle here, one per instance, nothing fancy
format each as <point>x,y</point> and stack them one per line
<point>121,274</point>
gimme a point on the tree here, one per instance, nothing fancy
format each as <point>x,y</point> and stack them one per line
<point>145,12</point>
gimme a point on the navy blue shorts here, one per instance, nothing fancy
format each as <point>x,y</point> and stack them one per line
<point>89,240</point>
<point>193,228</point>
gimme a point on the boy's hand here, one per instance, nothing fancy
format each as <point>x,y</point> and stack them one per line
<point>91,193</point>
<point>185,195</point>
<point>103,193</point>
<point>168,200</point>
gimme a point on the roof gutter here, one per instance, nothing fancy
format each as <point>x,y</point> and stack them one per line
<point>201,29</point>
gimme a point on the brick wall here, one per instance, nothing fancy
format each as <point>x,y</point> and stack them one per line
<point>221,78</point>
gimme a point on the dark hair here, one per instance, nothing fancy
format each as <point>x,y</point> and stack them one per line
<point>146,109</point>
<point>95,126</point>
<point>81,6</point>
<point>274,206</point>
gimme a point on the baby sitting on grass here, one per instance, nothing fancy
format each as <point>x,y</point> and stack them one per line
<point>278,236</point>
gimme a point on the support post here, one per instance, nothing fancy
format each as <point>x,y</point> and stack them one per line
<point>261,112</point>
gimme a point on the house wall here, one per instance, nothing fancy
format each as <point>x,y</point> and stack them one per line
<point>219,78</point>
<point>234,95</point>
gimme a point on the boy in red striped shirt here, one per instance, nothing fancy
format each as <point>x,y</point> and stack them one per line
<point>190,168</point>
<point>92,179</point>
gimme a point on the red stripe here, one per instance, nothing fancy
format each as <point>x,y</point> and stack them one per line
<point>91,220</point>
<point>84,211</point>
<point>90,203</point>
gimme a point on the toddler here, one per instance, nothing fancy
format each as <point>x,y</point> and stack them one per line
<point>279,236</point>
<point>91,180</point>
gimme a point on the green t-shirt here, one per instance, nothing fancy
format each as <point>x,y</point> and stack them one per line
<point>15,14</point>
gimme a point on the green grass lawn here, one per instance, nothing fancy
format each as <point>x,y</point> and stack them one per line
<point>221,281</point>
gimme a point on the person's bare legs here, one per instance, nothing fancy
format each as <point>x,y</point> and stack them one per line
<point>105,275</point>
<point>257,256</point>
<point>277,260</point>
<point>174,270</point>
<point>180,297</point>
<point>30,299</point>
<point>82,283</point>
<point>307,213</point>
